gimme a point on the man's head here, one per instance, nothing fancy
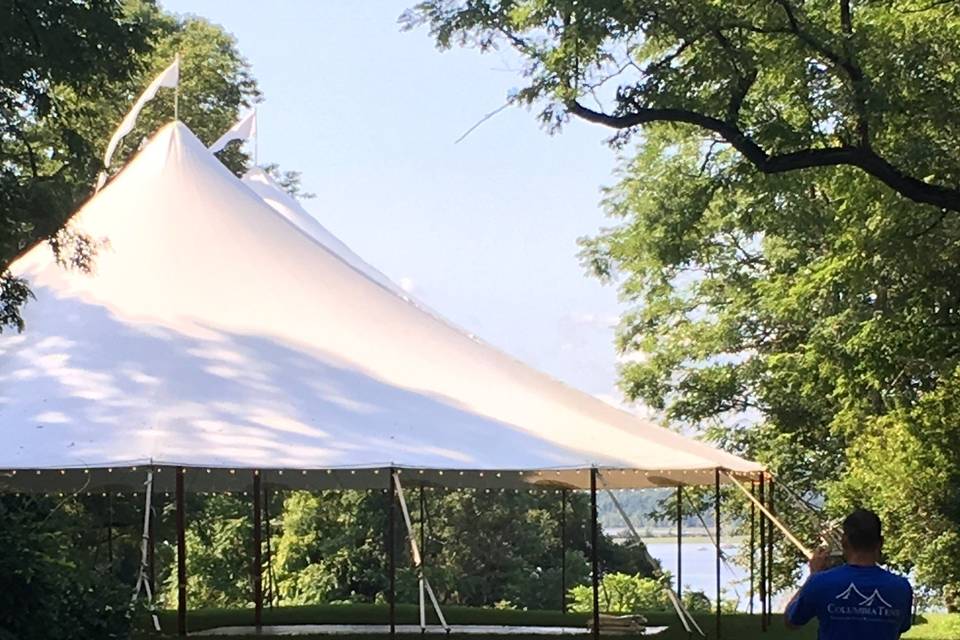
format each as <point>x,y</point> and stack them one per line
<point>861,533</point>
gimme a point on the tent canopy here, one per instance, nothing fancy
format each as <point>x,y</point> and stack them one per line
<point>219,333</point>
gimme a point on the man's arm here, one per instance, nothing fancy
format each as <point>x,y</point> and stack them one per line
<point>908,614</point>
<point>800,610</point>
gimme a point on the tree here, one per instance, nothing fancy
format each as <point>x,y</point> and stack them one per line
<point>70,73</point>
<point>56,584</point>
<point>45,164</point>
<point>331,547</point>
<point>786,232</point>
<point>790,85</point>
<point>219,539</point>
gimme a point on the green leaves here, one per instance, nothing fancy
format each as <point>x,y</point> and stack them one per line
<point>808,304</point>
<point>66,83</point>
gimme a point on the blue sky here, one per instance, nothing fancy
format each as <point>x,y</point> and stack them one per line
<point>484,231</point>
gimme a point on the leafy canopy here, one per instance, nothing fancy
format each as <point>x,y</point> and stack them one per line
<point>70,72</point>
<point>786,232</point>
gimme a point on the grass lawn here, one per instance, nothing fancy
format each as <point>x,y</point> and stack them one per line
<point>735,626</point>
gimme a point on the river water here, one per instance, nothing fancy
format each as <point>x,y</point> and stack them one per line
<point>699,571</point>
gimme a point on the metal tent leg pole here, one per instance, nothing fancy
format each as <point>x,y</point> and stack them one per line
<point>181,557</point>
<point>594,562</point>
<point>716,511</point>
<point>391,554</point>
<point>563,550</point>
<point>753,545</point>
<point>423,527</point>
<point>271,578</point>
<point>679,543</point>
<point>770,557</point>
<point>423,549</point>
<point>152,541</point>
<point>110,530</point>
<point>423,607</point>
<point>257,551</point>
<point>763,559</point>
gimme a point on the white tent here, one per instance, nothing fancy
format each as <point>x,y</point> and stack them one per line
<point>217,334</point>
<point>286,205</point>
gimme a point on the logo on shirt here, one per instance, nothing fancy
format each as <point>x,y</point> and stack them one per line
<point>865,601</point>
<point>864,607</point>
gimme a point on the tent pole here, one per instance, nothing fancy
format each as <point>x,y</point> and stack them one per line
<point>679,542</point>
<point>181,557</point>
<point>770,557</point>
<point>753,543</point>
<point>423,602</point>
<point>271,582</point>
<point>110,530</point>
<point>563,550</point>
<point>391,554</point>
<point>151,542</point>
<point>594,562</point>
<point>763,558</point>
<point>257,551</point>
<point>716,512</point>
<point>423,529</point>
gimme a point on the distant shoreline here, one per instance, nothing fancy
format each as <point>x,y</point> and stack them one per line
<point>691,539</point>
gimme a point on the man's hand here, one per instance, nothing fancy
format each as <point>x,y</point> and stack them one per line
<point>820,560</point>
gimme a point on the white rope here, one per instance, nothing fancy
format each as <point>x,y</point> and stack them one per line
<point>828,532</point>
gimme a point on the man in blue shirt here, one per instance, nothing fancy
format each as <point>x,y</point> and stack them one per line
<point>857,600</point>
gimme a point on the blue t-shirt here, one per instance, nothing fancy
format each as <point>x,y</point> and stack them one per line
<point>854,603</point>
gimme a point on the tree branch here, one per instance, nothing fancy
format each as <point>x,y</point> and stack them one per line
<point>844,62</point>
<point>846,21</point>
<point>865,159</point>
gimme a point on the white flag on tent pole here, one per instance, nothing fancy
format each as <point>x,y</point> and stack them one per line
<point>245,128</point>
<point>169,77</point>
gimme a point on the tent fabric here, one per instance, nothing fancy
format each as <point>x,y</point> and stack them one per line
<point>217,334</point>
<point>260,182</point>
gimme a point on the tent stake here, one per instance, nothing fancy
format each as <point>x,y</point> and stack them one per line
<point>716,515</point>
<point>594,563</point>
<point>257,559</point>
<point>181,558</point>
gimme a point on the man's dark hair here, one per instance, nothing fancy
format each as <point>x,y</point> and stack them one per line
<point>862,528</point>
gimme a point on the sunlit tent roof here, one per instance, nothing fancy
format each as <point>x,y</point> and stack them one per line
<point>219,335</point>
<point>286,205</point>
